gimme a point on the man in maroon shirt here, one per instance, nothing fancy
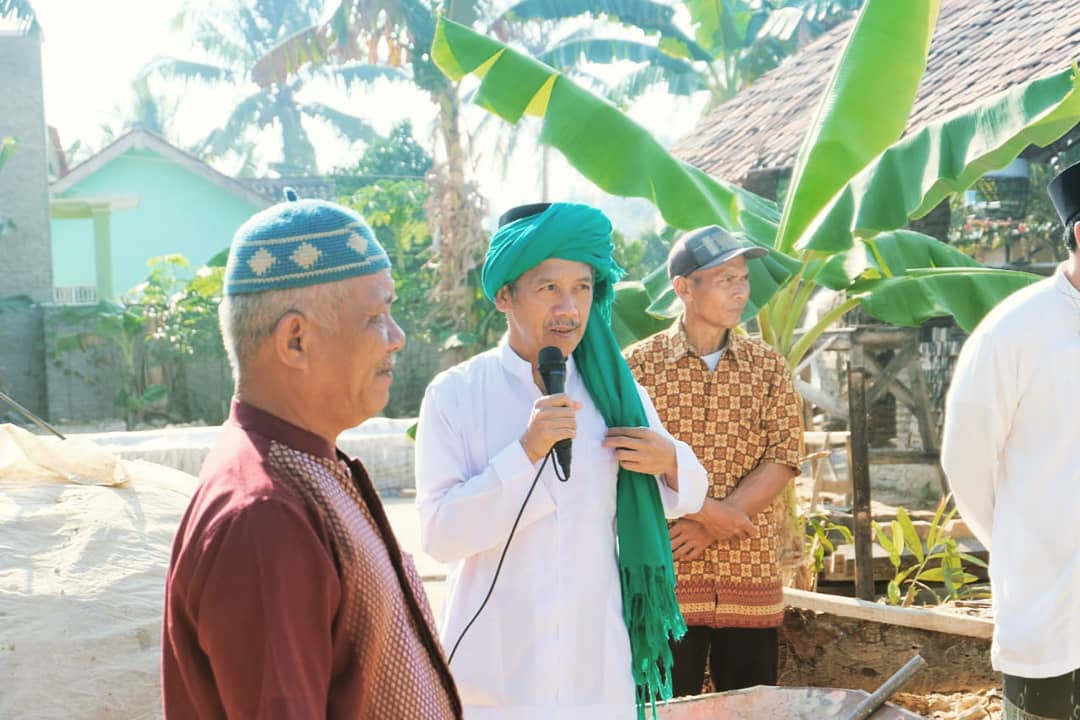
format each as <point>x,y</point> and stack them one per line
<point>287,595</point>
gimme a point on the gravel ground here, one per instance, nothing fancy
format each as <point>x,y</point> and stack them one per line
<point>982,705</point>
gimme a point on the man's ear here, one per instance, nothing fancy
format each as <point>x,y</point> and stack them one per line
<point>291,339</point>
<point>503,299</point>
<point>681,286</point>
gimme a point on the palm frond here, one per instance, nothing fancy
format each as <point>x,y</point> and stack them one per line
<point>354,128</point>
<point>169,67</point>
<point>649,16</point>
<point>679,81</point>
<point>298,152</point>
<point>254,111</point>
<point>365,74</point>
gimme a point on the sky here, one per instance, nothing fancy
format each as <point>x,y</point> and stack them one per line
<point>92,51</point>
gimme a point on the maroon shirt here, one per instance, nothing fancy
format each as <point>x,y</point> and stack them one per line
<point>283,602</point>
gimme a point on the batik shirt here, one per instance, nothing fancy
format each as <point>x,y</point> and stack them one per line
<point>740,415</point>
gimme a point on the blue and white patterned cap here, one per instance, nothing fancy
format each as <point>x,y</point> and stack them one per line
<point>301,242</point>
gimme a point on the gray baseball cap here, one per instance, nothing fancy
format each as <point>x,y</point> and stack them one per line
<point>708,247</point>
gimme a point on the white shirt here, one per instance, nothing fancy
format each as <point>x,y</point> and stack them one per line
<point>713,359</point>
<point>1012,454</point>
<point>551,642</point>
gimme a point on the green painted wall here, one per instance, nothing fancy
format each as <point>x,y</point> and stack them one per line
<point>178,212</point>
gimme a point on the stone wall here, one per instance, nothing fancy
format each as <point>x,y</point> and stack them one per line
<point>22,362</point>
<point>25,246</point>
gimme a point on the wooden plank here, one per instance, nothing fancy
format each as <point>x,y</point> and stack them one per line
<point>860,477</point>
<point>933,619</point>
<point>818,438</point>
<point>888,375</point>
<point>883,337</point>
<point>898,389</point>
<point>889,456</point>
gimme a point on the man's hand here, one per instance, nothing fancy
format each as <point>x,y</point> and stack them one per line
<point>723,521</point>
<point>552,420</point>
<point>689,539</point>
<point>645,451</point>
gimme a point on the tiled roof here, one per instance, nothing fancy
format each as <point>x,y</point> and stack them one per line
<point>980,47</point>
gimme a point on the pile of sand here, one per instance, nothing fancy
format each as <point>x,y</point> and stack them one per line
<point>84,544</point>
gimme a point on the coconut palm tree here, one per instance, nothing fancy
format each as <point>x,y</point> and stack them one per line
<point>146,111</point>
<point>395,35</point>
<point>233,40</point>
<point>734,41</point>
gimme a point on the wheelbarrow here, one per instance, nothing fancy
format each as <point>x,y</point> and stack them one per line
<point>777,703</point>
<point>793,703</point>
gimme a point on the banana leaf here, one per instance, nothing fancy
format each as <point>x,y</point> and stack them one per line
<point>864,108</point>
<point>912,176</point>
<point>720,25</point>
<point>611,150</point>
<point>350,30</point>
<point>965,293</point>
<point>887,255</point>
<point>629,320</point>
<point>594,137</point>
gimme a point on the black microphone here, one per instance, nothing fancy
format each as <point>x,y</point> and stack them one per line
<point>552,367</point>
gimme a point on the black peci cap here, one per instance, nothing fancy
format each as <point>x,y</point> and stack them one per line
<point>522,211</point>
<point>1064,191</point>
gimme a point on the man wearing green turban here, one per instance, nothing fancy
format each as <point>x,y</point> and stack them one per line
<point>579,622</point>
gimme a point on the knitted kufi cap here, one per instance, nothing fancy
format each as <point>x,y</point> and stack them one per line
<point>301,242</point>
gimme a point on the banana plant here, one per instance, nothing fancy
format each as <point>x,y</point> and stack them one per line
<point>855,186</point>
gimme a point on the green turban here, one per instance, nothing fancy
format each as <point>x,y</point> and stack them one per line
<point>583,234</point>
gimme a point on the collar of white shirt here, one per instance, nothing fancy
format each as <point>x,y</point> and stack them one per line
<point>1064,285</point>
<point>520,368</point>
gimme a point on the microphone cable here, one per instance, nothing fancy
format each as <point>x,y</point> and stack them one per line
<point>506,547</point>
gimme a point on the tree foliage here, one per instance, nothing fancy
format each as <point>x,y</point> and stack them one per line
<point>846,237</point>
<point>233,39</point>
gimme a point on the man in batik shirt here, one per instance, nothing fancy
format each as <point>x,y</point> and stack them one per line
<point>730,397</point>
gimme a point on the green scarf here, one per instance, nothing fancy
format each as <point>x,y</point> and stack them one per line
<point>583,234</point>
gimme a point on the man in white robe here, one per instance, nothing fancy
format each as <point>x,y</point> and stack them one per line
<point>552,640</point>
<point>1014,467</point>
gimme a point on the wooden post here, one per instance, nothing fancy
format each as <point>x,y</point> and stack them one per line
<point>103,271</point>
<point>860,477</point>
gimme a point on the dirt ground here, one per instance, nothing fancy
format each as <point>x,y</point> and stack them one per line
<point>984,705</point>
<point>972,705</point>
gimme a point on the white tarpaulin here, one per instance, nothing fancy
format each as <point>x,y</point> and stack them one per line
<point>84,544</point>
